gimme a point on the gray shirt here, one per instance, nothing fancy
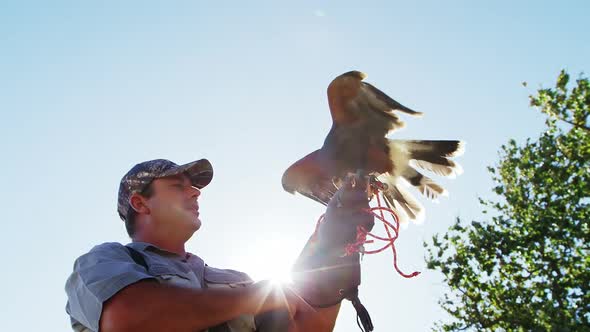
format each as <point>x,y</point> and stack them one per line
<point>108,268</point>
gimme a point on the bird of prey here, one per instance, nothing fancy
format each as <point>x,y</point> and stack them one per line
<point>362,116</point>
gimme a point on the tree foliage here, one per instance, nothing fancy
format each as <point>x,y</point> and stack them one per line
<point>527,268</point>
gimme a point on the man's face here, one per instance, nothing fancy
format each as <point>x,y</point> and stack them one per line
<point>173,206</point>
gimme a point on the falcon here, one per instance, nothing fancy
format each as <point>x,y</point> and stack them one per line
<point>362,117</point>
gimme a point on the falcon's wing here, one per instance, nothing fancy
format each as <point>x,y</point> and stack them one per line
<point>352,100</point>
<point>306,176</point>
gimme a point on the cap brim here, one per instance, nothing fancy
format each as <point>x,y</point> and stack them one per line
<point>200,172</point>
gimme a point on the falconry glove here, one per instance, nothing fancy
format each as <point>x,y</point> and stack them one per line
<point>325,272</point>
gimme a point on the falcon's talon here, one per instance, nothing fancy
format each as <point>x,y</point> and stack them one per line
<point>378,186</point>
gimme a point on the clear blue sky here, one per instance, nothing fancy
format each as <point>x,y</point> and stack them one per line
<point>89,88</point>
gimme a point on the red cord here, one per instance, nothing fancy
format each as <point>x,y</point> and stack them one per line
<point>362,233</point>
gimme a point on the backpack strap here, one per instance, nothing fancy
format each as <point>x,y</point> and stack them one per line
<point>137,257</point>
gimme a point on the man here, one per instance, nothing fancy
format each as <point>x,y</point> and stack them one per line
<point>153,284</point>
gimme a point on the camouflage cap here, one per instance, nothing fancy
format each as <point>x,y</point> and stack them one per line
<point>200,173</point>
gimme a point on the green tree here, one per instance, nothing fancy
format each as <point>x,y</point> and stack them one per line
<point>527,268</point>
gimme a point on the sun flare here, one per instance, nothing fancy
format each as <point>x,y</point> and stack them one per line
<point>270,259</point>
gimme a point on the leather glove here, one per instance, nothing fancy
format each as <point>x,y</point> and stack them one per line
<point>323,273</point>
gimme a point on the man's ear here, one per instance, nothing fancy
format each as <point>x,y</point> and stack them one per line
<point>138,203</point>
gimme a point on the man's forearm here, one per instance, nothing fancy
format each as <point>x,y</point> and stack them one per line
<point>315,319</point>
<point>150,306</point>
<point>308,317</point>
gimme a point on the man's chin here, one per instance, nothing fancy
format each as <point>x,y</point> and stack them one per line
<point>189,226</point>
<point>198,224</point>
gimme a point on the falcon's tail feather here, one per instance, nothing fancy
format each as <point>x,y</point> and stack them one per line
<point>399,199</point>
<point>406,156</point>
<point>433,155</point>
<point>446,149</point>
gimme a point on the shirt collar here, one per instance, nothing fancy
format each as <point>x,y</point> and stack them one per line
<point>143,246</point>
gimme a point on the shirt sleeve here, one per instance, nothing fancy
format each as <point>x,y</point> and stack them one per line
<point>273,321</point>
<point>97,276</point>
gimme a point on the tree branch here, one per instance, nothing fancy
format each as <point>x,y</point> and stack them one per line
<point>572,123</point>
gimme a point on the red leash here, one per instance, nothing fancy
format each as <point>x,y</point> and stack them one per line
<point>361,235</point>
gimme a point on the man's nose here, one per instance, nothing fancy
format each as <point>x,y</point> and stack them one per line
<point>194,191</point>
